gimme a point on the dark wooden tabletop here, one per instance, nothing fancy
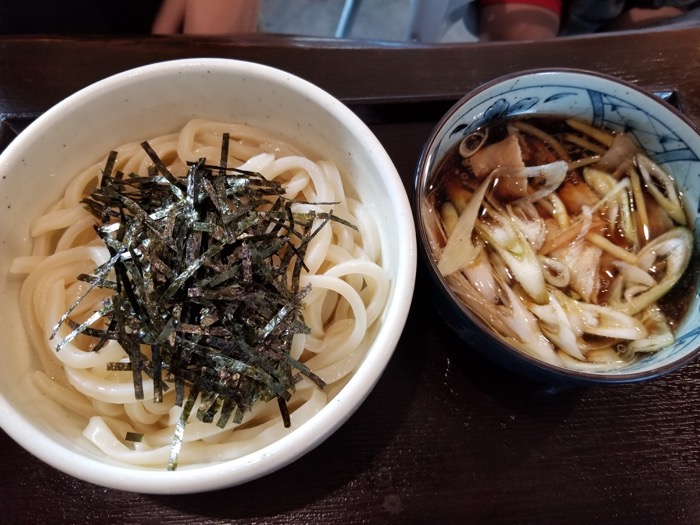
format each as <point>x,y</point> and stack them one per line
<point>446,436</point>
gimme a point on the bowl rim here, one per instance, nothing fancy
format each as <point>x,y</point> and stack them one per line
<point>534,367</point>
<point>299,441</point>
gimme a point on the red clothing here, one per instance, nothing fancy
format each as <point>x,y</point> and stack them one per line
<point>553,5</point>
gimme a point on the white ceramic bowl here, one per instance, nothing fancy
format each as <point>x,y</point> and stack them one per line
<point>670,139</point>
<point>146,102</point>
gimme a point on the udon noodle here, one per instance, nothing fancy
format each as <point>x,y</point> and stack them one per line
<point>566,240</point>
<point>348,292</point>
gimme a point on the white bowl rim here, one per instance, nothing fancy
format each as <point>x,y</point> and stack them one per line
<point>273,457</point>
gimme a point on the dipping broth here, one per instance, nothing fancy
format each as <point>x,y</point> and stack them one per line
<point>567,240</point>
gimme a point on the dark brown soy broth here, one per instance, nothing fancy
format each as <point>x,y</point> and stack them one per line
<point>454,174</point>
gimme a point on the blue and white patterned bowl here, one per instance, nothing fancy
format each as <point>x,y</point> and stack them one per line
<point>670,139</point>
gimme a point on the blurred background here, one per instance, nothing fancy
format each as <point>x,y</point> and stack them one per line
<point>392,20</point>
<point>418,21</point>
<point>387,20</point>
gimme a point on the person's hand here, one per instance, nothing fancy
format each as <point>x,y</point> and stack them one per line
<point>517,22</point>
<point>207,17</point>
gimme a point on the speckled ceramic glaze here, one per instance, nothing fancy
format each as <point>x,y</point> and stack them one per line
<point>669,138</point>
<point>147,102</point>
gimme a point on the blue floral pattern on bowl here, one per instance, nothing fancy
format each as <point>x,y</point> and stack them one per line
<point>668,137</point>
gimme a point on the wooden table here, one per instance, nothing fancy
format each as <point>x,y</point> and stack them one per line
<point>446,436</point>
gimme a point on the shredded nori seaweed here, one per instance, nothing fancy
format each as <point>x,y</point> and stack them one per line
<point>134,437</point>
<point>201,294</point>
